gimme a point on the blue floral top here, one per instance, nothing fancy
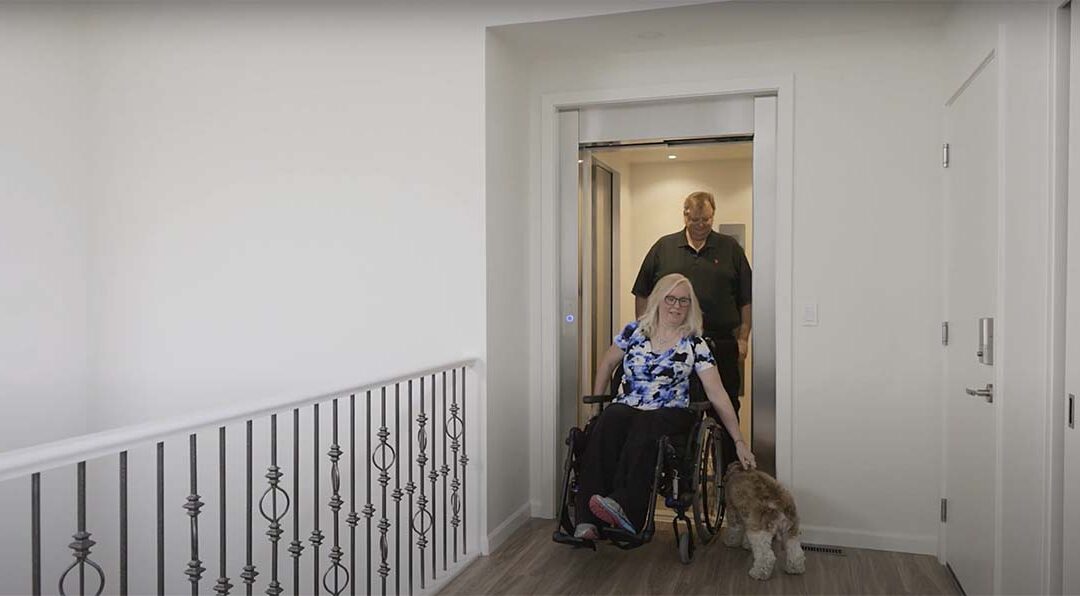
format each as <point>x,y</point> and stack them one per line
<point>652,380</point>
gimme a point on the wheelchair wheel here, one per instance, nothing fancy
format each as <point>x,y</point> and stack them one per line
<point>708,481</point>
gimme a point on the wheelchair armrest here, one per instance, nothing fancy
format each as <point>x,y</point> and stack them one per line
<point>596,399</point>
<point>700,406</point>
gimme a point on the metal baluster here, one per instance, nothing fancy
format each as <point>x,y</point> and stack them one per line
<point>454,430</point>
<point>464,476</point>
<point>83,543</point>
<point>161,518</point>
<point>444,470</point>
<point>335,506</point>
<point>249,573</point>
<point>422,514</point>
<point>296,547</point>
<point>369,509</point>
<point>410,488</point>
<point>433,476</point>
<point>223,586</point>
<point>123,524</point>
<point>35,534</point>
<point>384,457</point>
<point>354,517</point>
<point>274,517</point>
<point>397,494</point>
<point>316,534</point>
<point>193,506</point>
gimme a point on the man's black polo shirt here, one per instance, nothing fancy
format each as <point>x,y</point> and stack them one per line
<point>720,274</point>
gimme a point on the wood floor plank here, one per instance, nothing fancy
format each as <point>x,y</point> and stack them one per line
<point>530,563</point>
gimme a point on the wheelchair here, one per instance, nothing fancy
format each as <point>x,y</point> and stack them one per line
<point>688,475</point>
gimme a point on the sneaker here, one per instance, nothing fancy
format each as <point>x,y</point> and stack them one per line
<point>609,511</point>
<point>586,532</point>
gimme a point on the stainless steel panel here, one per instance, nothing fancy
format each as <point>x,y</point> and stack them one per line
<point>569,299</point>
<point>763,398</point>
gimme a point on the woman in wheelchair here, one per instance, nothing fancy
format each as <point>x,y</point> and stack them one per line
<point>658,352</point>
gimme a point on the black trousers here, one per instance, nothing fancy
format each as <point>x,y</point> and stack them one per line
<point>620,458</point>
<point>726,352</point>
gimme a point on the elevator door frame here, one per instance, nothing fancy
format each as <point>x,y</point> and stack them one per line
<point>554,314</point>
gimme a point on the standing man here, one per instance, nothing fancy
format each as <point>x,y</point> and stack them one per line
<point>717,267</point>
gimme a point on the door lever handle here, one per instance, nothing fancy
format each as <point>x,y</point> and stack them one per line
<point>987,393</point>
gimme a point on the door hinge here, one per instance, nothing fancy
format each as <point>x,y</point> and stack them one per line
<point>945,333</point>
<point>945,155</point>
<point>944,510</point>
<point>1072,411</point>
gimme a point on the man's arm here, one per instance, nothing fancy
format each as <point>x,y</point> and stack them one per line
<point>742,333</point>
<point>643,285</point>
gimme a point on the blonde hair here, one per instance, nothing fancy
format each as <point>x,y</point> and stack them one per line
<point>696,201</point>
<point>650,319</point>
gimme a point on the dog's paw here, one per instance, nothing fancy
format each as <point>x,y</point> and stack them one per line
<point>795,566</point>
<point>761,572</point>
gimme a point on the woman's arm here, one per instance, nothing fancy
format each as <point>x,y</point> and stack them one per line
<point>607,365</point>
<point>714,389</point>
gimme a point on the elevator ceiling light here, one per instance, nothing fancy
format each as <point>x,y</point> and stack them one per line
<point>672,156</point>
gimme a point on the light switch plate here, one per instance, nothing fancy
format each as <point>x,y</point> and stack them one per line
<point>809,315</point>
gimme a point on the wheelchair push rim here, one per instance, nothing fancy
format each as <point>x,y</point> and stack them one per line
<point>708,481</point>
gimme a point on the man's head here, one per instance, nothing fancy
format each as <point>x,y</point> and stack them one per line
<point>698,210</point>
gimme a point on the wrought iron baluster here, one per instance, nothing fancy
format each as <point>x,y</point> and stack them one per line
<point>335,506</point>
<point>453,428</point>
<point>410,487</point>
<point>397,494</point>
<point>433,476</point>
<point>161,518</point>
<point>193,506</point>
<point>274,517</point>
<point>384,457</point>
<point>423,521</point>
<point>444,470</point>
<point>35,534</point>
<point>296,547</point>
<point>353,518</point>
<point>82,543</point>
<point>316,533</point>
<point>369,509</point>
<point>464,475</point>
<point>123,524</point>
<point>223,585</point>
<point>249,574</point>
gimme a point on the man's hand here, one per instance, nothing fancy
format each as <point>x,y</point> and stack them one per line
<point>743,348</point>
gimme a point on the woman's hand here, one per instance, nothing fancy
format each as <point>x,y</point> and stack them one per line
<point>746,457</point>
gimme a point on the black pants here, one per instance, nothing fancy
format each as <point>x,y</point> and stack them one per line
<point>620,458</point>
<point>726,352</point>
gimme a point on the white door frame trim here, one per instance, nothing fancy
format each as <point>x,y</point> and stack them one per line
<point>545,303</point>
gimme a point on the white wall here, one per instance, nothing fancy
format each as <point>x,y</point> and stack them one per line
<point>866,183</point>
<point>43,231</point>
<point>507,290</point>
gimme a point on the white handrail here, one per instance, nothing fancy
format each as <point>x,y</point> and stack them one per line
<point>38,458</point>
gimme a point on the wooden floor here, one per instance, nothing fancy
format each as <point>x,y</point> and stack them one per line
<point>530,563</point>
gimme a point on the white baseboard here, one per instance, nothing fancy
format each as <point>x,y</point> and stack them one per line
<point>448,575</point>
<point>505,529</point>
<point>904,543</point>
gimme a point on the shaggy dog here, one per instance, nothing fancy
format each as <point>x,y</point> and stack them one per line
<point>759,509</point>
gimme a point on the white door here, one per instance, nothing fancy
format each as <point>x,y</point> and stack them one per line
<point>971,261</point>
<point>1071,534</point>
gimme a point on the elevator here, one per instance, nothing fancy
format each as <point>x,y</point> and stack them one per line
<point>592,239</point>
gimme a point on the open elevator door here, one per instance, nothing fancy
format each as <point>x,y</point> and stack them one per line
<point>588,233</point>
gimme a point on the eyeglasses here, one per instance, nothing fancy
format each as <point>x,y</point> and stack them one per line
<point>683,301</point>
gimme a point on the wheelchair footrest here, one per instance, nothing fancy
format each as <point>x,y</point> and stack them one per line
<point>564,538</point>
